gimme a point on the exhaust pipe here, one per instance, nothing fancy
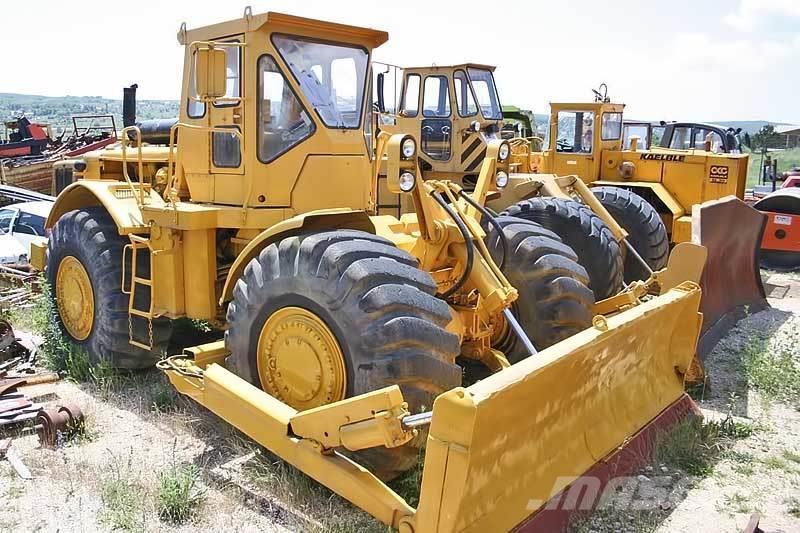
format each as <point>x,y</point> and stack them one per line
<point>129,105</point>
<point>155,131</point>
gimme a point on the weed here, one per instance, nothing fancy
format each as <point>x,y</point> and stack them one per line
<point>793,506</point>
<point>407,485</point>
<point>738,503</point>
<point>775,370</point>
<point>123,500</point>
<point>694,445</point>
<point>791,456</point>
<point>163,397</point>
<point>179,497</point>
<point>774,462</point>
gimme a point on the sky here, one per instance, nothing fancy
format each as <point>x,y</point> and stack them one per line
<point>668,59</point>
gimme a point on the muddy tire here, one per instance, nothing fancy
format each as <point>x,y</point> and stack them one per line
<point>377,303</point>
<point>583,231</point>
<point>554,300</point>
<point>646,231</point>
<point>89,237</point>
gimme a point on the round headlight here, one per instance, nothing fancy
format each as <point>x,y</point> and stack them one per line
<point>475,125</point>
<point>503,152</point>
<point>407,181</point>
<point>409,148</point>
<point>501,179</point>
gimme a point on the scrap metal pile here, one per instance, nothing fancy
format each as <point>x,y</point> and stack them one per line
<point>30,149</point>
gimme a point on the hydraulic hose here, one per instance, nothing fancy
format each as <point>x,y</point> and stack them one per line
<point>467,242</point>
<point>491,220</point>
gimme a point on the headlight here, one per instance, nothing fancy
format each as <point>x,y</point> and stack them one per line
<point>407,181</point>
<point>409,148</point>
<point>503,152</point>
<point>501,179</point>
<point>475,126</point>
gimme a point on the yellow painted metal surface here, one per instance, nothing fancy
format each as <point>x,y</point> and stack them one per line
<point>299,359</point>
<point>38,255</point>
<point>116,197</point>
<point>499,449</point>
<point>75,297</point>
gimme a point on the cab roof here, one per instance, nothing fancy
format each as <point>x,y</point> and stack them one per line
<point>250,22</point>
<point>461,66</point>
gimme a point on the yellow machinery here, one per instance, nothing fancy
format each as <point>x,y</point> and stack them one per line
<point>259,213</point>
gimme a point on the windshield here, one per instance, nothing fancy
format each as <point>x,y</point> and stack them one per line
<point>331,76</point>
<point>486,93</point>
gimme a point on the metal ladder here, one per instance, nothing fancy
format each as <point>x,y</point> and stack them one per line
<point>139,243</point>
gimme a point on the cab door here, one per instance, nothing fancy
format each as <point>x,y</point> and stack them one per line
<point>228,113</point>
<point>574,143</point>
<point>436,124</point>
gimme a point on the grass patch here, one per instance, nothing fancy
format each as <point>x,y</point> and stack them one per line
<point>123,500</point>
<point>738,503</point>
<point>163,397</point>
<point>179,496</point>
<point>694,445</point>
<point>773,462</point>
<point>775,371</point>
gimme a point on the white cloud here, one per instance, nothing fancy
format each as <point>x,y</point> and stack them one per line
<point>754,14</point>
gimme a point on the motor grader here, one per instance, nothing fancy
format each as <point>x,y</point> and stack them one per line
<point>347,330</point>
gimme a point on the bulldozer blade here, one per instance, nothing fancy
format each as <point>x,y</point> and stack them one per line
<point>731,231</point>
<point>499,450</point>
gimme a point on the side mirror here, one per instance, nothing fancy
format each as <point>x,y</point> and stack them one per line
<point>210,73</point>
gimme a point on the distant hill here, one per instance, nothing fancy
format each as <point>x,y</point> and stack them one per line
<point>58,110</point>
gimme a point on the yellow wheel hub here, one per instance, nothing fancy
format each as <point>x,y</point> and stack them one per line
<point>299,360</point>
<point>75,298</point>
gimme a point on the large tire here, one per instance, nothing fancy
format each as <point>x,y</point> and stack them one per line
<point>377,303</point>
<point>583,231</point>
<point>646,231</point>
<point>554,302</point>
<point>90,236</point>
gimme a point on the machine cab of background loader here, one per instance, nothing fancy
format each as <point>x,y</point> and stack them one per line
<point>453,110</point>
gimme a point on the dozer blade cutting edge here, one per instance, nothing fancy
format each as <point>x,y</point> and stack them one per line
<point>497,450</point>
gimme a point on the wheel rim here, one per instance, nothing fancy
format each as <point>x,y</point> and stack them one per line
<point>299,360</point>
<point>75,298</point>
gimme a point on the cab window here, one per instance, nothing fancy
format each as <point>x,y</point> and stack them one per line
<point>575,132</point>
<point>611,127</point>
<point>639,130</point>
<point>681,138</point>
<point>334,84</point>
<point>436,98</point>
<point>282,120</point>
<point>486,93</point>
<point>410,105</point>
<point>464,99</point>
<point>701,136</point>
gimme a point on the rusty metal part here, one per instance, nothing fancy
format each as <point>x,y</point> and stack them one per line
<point>51,422</point>
<point>11,384</point>
<point>731,281</point>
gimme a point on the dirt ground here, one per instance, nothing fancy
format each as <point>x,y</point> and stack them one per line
<point>138,431</point>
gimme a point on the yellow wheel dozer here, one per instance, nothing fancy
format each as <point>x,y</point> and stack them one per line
<point>348,330</point>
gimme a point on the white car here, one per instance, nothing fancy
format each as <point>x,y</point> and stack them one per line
<point>20,225</point>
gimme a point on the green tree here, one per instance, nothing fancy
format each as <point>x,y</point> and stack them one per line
<point>767,137</point>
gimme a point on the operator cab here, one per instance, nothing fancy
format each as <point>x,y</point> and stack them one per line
<point>455,109</point>
<point>699,136</point>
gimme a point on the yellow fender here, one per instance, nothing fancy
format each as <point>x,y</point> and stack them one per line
<point>313,220</point>
<point>115,196</point>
